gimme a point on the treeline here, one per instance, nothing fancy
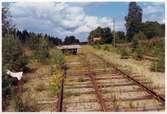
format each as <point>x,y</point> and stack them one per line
<point>30,39</point>
<point>134,25</point>
<point>148,29</point>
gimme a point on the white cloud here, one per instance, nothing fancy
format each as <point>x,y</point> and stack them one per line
<point>152,9</point>
<point>153,17</point>
<point>58,19</point>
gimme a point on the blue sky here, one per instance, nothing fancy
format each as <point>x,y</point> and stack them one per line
<point>62,19</point>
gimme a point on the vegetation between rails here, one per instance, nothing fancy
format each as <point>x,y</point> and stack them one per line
<point>43,51</point>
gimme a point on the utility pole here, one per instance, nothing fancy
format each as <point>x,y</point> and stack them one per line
<point>114,32</point>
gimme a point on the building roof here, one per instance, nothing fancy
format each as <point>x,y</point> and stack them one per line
<point>69,47</point>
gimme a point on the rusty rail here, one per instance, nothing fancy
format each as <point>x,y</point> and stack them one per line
<point>100,99</point>
<point>61,94</point>
<point>99,96</point>
<point>148,90</point>
<point>60,97</point>
<point>154,94</point>
<point>96,87</point>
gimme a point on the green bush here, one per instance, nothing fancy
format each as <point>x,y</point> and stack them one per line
<point>42,55</point>
<point>97,46</point>
<point>54,84</point>
<point>140,35</point>
<point>57,57</point>
<point>42,51</point>
<point>81,79</point>
<point>124,53</point>
<point>159,47</point>
<point>137,47</point>
<point>135,43</point>
<point>6,89</point>
<point>139,53</point>
<point>136,40</point>
<point>158,66</point>
<point>106,48</point>
<point>11,52</point>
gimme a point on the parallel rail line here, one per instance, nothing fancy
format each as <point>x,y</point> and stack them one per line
<point>154,94</point>
<point>98,88</point>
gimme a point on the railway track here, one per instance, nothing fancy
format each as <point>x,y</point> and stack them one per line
<point>95,85</point>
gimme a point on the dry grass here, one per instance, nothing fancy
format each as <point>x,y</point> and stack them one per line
<point>81,79</point>
<point>140,68</point>
<point>25,103</point>
<point>134,66</point>
<point>36,85</point>
<point>40,87</point>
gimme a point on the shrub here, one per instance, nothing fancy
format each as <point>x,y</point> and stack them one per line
<point>81,79</point>
<point>140,35</point>
<point>135,43</point>
<point>158,66</point>
<point>41,52</point>
<point>11,52</point>
<point>54,84</point>
<point>124,53</point>
<point>42,55</point>
<point>57,57</point>
<point>106,48</point>
<point>159,47</point>
<point>139,53</point>
<point>136,40</point>
<point>25,103</point>
<point>24,62</point>
<point>12,59</point>
<point>97,46</point>
<point>6,89</point>
<point>93,45</point>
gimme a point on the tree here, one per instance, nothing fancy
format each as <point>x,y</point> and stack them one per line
<point>54,41</point>
<point>104,33</point>
<point>42,50</point>
<point>107,35</point>
<point>23,36</point>
<point>7,27</point>
<point>11,50</point>
<point>70,40</point>
<point>120,37</point>
<point>152,29</point>
<point>140,35</point>
<point>133,20</point>
<point>5,21</point>
<point>136,45</point>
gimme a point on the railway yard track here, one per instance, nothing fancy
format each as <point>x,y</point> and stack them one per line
<point>91,84</point>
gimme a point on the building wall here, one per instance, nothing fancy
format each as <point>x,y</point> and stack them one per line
<point>96,39</point>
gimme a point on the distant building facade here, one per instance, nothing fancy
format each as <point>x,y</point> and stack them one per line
<point>69,49</point>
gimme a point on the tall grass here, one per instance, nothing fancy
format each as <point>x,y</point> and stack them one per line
<point>25,103</point>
